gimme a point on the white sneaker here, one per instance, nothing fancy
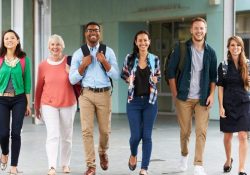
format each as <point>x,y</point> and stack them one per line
<point>183,163</point>
<point>199,170</point>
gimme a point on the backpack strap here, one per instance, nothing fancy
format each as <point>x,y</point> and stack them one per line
<point>22,62</point>
<point>183,50</point>
<point>102,48</point>
<point>85,50</point>
<point>69,58</point>
<point>1,61</point>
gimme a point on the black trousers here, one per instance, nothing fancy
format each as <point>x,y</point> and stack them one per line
<point>12,110</point>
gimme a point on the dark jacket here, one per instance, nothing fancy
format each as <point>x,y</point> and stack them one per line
<point>208,75</point>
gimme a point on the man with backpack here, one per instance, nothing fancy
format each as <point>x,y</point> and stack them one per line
<point>94,64</point>
<point>193,91</point>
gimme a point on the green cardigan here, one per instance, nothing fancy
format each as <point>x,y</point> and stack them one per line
<point>21,80</point>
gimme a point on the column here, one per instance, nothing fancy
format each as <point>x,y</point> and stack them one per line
<point>229,22</point>
<point>17,18</point>
<point>42,32</point>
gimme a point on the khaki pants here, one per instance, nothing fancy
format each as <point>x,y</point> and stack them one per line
<point>95,104</point>
<point>185,111</point>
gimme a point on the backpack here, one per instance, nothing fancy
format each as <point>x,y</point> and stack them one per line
<point>102,48</point>
<point>22,62</point>
<point>77,87</point>
<point>183,50</point>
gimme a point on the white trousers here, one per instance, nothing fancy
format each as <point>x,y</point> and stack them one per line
<point>59,124</point>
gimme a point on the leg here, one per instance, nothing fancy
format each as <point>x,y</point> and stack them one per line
<point>4,125</point>
<point>184,111</point>
<point>149,116</point>
<point>51,119</point>
<point>87,113</point>
<point>201,125</point>
<point>103,114</point>
<point>18,112</point>
<point>243,148</point>
<point>134,113</point>
<point>67,116</point>
<point>4,131</point>
<point>228,144</point>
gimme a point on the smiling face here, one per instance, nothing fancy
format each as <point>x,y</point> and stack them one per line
<point>10,40</point>
<point>142,42</point>
<point>198,31</point>
<point>234,48</point>
<point>55,48</point>
<point>92,34</point>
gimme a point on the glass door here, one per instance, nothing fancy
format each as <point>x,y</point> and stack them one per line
<point>164,35</point>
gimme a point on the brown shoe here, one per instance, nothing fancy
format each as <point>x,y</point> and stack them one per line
<point>90,171</point>
<point>104,161</point>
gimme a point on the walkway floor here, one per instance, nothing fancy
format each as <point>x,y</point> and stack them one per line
<point>165,154</point>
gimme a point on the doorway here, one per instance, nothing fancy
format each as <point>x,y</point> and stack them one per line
<point>164,35</point>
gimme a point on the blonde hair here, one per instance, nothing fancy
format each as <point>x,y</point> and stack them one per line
<point>56,38</point>
<point>243,66</point>
<point>198,19</point>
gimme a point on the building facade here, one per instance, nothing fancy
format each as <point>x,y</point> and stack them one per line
<point>167,21</point>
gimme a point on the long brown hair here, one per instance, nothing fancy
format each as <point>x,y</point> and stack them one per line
<point>18,52</point>
<point>243,66</point>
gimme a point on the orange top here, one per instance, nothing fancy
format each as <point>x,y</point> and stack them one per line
<point>53,87</point>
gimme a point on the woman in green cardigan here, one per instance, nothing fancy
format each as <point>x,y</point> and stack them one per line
<point>15,85</point>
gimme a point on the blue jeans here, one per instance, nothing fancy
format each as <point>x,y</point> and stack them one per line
<point>17,105</point>
<point>141,117</point>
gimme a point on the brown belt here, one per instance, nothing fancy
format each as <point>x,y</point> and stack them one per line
<point>8,94</point>
<point>97,90</point>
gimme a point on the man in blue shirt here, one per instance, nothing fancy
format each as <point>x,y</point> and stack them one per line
<point>193,91</point>
<point>93,71</point>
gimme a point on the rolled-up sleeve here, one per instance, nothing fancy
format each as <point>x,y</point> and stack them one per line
<point>74,75</point>
<point>213,69</point>
<point>220,76</point>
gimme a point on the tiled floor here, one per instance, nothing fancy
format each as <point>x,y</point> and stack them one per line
<point>164,159</point>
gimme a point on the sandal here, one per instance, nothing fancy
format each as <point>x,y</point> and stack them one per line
<point>66,169</point>
<point>143,172</point>
<point>132,167</point>
<point>3,164</point>
<point>14,173</point>
<point>52,171</point>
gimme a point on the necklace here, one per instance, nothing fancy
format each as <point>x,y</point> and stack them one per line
<point>11,62</point>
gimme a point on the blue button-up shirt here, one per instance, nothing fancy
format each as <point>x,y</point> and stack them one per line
<point>94,75</point>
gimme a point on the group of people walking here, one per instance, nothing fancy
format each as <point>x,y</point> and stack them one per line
<point>94,65</point>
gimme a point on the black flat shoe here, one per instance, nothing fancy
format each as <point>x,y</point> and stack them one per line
<point>227,169</point>
<point>132,167</point>
<point>242,173</point>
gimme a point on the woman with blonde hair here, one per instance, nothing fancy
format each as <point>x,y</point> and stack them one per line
<point>234,103</point>
<point>55,102</point>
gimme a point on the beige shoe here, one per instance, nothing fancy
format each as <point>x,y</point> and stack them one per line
<point>52,171</point>
<point>66,169</point>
